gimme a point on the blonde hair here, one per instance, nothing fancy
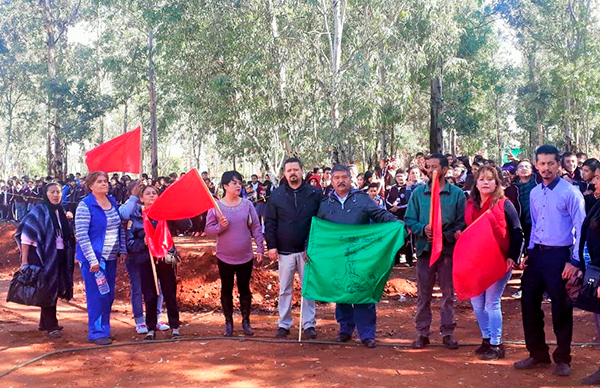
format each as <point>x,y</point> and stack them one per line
<point>498,193</point>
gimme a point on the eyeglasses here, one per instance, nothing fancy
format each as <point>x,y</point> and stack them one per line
<point>524,168</point>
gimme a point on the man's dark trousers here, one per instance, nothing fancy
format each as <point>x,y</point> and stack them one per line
<point>544,274</point>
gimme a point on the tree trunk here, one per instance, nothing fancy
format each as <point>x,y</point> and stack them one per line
<point>338,8</point>
<point>125,117</point>
<point>5,168</point>
<point>567,129</point>
<point>436,138</point>
<point>153,134</point>
<point>52,127</point>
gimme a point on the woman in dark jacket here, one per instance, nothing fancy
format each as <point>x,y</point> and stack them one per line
<point>590,244</point>
<point>137,250</point>
<point>46,240</point>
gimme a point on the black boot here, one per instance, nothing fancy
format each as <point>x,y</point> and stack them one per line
<point>228,332</point>
<point>245,306</point>
<point>485,346</point>
<point>227,304</point>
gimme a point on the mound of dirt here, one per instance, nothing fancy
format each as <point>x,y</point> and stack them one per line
<point>9,252</point>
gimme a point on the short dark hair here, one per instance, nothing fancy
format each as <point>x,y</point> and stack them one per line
<point>400,171</point>
<point>253,175</point>
<point>581,154</point>
<point>441,157</point>
<point>326,169</point>
<point>592,163</point>
<point>419,154</point>
<point>371,185</point>
<point>340,167</point>
<point>228,176</point>
<point>567,154</point>
<point>547,149</point>
<point>293,160</point>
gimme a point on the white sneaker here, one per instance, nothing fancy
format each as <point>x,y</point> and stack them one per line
<point>141,328</point>
<point>162,326</point>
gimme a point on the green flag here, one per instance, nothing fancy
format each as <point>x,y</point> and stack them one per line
<point>350,263</point>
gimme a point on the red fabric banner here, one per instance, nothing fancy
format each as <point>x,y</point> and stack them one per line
<point>478,261</point>
<point>435,220</point>
<point>121,154</point>
<point>186,198</point>
<point>159,239</point>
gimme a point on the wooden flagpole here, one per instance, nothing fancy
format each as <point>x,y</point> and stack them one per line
<point>152,263</point>
<point>434,181</point>
<point>141,152</point>
<point>477,219</point>
<point>300,325</point>
<point>209,193</point>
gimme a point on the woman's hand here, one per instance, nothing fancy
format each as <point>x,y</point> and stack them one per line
<point>510,264</point>
<point>94,268</point>
<point>223,222</point>
<point>137,188</point>
<point>457,234</point>
<point>259,258</point>
<point>69,215</point>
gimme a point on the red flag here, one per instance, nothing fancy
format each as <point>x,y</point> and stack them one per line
<point>478,261</point>
<point>159,239</point>
<point>435,220</point>
<point>186,198</point>
<point>119,154</point>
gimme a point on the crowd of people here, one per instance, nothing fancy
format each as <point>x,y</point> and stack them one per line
<point>548,212</point>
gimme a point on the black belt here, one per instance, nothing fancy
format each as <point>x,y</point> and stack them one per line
<point>547,247</point>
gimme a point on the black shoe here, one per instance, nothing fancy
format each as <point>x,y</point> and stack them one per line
<point>531,363</point>
<point>485,346</point>
<point>341,337</point>
<point>420,342</point>
<point>450,342</point>
<point>103,341</point>
<point>150,336</point>
<point>370,343</point>
<point>593,379</point>
<point>495,352</point>
<point>228,332</point>
<point>310,333</point>
<point>562,369</point>
<point>247,328</point>
<point>282,333</point>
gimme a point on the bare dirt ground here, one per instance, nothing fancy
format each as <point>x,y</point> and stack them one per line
<point>239,363</point>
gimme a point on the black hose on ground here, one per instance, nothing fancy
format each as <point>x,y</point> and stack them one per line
<point>241,339</point>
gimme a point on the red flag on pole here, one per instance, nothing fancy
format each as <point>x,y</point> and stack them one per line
<point>159,238</point>
<point>435,220</point>
<point>119,154</point>
<point>186,198</point>
<point>478,261</point>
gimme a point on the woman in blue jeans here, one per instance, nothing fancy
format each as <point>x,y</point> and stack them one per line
<point>488,195</point>
<point>100,242</point>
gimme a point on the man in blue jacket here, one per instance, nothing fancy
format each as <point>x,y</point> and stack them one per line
<point>349,206</point>
<point>290,210</point>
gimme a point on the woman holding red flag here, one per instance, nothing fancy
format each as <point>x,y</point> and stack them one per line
<point>488,196</point>
<point>234,229</point>
<point>138,252</point>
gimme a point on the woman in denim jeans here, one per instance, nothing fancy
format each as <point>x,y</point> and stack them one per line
<point>488,195</point>
<point>133,266</point>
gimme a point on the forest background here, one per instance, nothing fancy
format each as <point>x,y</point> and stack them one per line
<point>217,84</point>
